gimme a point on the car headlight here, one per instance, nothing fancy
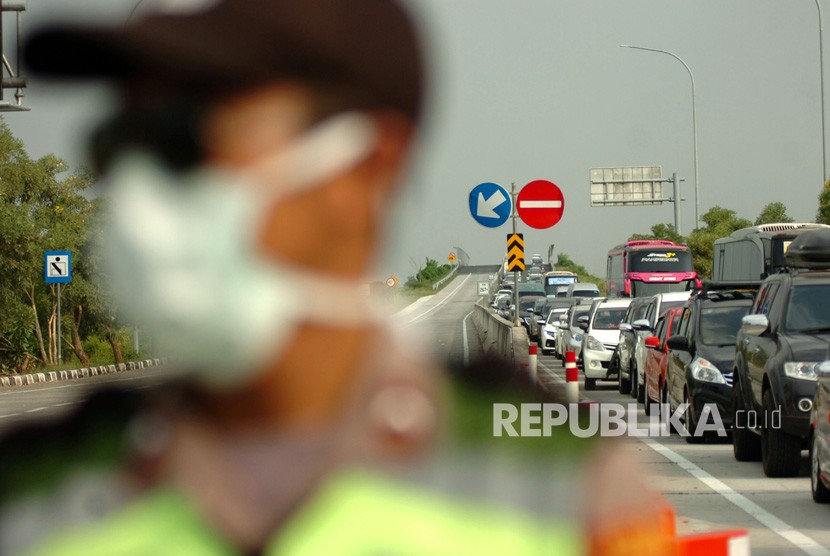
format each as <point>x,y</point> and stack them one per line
<point>577,337</point>
<point>801,369</point>
<point>594,344</point>
<point>704,370</point>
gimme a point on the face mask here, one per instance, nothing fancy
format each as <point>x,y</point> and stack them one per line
<point>180,253</point>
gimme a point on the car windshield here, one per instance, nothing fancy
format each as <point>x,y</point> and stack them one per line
<point>719,325</point>
<point>608,318</point>
<point>585,293</point>
<point>527,303</point>
<point>809,308</point>
<point>555,314</point>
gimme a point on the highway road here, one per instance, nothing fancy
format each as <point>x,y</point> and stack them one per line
<point>707,487</point>
<point>711,491</point>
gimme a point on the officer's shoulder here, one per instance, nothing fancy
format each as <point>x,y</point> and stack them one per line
<point>38,454</point>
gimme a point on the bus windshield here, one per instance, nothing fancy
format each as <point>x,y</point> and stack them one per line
<point>647,289</point>
<point>660,260</point>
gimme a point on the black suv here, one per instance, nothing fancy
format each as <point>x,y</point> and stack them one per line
<point>779,346</point>
<point>702,353</point>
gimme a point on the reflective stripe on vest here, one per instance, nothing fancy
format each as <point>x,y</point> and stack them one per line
<point>366,515</point>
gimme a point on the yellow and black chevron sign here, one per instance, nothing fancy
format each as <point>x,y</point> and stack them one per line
<point>515,252</point>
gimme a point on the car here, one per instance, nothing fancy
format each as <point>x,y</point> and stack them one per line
<point>600,339</point>
<point>657,304</point>
<point>633,329</point>
<point>560,337</point>
<point>654,368</point>
<point>542,309</point>
<point>536,260</point>
<point>779,347</point>
<point>702,353</point>
<point>527,315</point>
<point>582,289</point>
<point>551,330</point>
<point>504,307</point>
<point>571,333</point>
<point>498,297</point>
<point>531,289</point>
<point>820,436</point>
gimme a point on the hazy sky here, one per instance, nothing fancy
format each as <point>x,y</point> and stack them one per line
<point>540,89</point>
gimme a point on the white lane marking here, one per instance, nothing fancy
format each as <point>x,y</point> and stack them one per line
<point>35,410</point>
<point>75,384</point>
<point>464,334</point>
<point>540,204</point>
<point>11,415</point>
<point>768,520</point>
<point>559,380</point>
<point>556,378</point>
<point>434,307</point>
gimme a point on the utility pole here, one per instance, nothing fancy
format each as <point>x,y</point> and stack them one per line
<point>516,273</point>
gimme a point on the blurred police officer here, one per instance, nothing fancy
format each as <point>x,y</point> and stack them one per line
<point>249,169</point>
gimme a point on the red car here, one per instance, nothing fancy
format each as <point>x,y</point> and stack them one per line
<point>657,357</point>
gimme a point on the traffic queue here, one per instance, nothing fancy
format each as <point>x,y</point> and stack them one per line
<point>748,350</point>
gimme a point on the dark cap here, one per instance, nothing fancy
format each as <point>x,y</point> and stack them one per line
<point>369,45</point>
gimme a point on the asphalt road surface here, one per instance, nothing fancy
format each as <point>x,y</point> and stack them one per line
<point>711,491</point>
<point>707,487</point>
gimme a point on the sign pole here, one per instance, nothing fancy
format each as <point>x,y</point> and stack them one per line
<point>57,269</point>
<point>516,273</point>
<point>59,324</point>
<point>676,184</point>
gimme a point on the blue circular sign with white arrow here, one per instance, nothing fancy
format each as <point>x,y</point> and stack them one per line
<point>490,204</point>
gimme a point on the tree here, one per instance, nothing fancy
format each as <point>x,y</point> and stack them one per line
<point>38,212</point>
<point>823,212</point>
<point>660,231</point>
<point>773,212</point>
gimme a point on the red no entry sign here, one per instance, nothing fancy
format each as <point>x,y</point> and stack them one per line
<point>540,204</point>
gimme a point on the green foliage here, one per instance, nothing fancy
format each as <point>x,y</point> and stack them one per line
<point>564,262</point>
<point>429,274</point>
<point>42,209</point>
<point>773,212</point>
<point>718,222</point>
<point>660,231</point>
<point>99,350</point>
<point>823,212</point>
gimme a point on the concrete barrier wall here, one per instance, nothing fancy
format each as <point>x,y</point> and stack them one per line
<point>56,376</point>
<point>498,336</point>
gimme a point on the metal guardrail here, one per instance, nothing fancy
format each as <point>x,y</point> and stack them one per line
<point>437,284</point>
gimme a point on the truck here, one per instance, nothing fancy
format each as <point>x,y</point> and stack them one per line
<point>755,252</point>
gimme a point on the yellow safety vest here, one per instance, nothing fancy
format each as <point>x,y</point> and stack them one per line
<point>352,514</point>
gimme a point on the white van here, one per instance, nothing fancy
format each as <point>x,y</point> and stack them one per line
<point>602,334</point>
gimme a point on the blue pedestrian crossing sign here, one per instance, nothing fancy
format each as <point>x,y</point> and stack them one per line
<point>490,204</point>
<point>57,267</point>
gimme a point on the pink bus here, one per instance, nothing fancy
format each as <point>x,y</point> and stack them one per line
<point>643,268</point>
